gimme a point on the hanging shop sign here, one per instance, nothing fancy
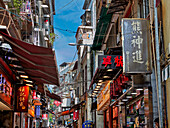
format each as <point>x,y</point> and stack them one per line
<point>103,98</point>
<point>118,86</point>
<point>34,95</point>
<point>22,93</point>
<point>110,61</point>
<point>45,116</point>
<point>136,46</point>
<point>76,115</point>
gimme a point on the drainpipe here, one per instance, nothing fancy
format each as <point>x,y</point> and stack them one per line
<point>159,88</point>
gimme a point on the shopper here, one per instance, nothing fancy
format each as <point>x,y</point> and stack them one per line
<point>156,123</point>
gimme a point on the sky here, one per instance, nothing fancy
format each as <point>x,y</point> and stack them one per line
<point>67,17</point>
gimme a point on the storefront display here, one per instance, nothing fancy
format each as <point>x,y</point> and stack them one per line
<point>135,114</point>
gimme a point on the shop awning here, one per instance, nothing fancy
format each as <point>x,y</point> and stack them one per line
<point>100,73</point>
<point>101,29</point>
<point>50,95</point>
<point>67,112</point>
<point>39,63</point>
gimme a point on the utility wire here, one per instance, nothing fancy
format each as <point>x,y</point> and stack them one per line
<point>67,30</point>
<point>65,5</point>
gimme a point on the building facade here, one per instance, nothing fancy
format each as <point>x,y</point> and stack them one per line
<point>28,66</point>
<point>123,92</point>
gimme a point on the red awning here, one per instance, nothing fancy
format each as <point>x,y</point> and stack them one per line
<point>67,112</point>
<point>38,62</point>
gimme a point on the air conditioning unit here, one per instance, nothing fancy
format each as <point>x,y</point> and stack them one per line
<point>76,100</point>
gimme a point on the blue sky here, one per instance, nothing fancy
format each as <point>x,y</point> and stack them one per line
<point>67,18</point>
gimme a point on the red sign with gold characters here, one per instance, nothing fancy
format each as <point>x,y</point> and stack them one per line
<point>22,93</point>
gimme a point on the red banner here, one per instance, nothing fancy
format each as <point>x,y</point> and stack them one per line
<point>22,93</point>
<point>76,115</point>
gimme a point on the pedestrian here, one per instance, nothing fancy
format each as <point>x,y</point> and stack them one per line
<point>156,123</point>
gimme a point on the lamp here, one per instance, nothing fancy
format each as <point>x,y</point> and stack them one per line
<point>74,44</point>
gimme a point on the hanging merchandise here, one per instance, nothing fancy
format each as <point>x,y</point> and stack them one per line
<point>45,116</point>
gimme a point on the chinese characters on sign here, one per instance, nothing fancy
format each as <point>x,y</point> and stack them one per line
<point>110,61</point>
<point>22,93</point>
<point>136,46</point>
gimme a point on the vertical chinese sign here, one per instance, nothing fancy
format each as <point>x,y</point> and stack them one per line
<point>136,46</point>
<point>22,93</point>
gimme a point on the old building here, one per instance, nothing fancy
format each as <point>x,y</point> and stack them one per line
<point>28,66</point>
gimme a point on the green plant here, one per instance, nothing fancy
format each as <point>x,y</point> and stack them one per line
<point>52,37</point>
<point>18,4</point>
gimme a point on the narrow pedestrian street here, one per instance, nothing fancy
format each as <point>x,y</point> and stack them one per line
<point>84,64</point>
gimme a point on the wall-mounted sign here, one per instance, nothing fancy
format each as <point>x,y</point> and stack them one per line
<point>110,61</point>
<point>117,86</point>
<point>136,46</point>
<point>104,97</point>
<point>22,93</point>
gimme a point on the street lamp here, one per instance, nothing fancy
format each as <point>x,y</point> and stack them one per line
<point>74,44</point>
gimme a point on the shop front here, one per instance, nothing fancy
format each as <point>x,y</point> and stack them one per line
<point>103,104</point>
<point>131,103</point>
<point>6,92</point>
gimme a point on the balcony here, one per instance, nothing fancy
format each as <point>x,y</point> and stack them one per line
<point>84,33</point>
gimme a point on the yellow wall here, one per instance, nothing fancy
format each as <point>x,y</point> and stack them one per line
<point>166,31</point>
<point>168,99</point>
<point>166,22</point>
